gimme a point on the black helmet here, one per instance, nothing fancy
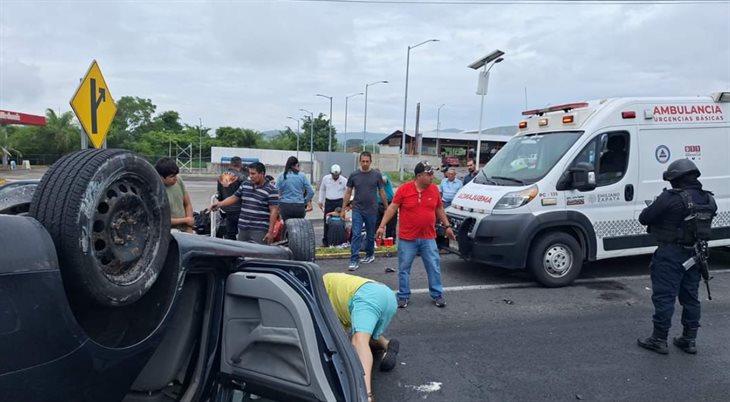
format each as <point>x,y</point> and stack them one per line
<point>680,168</point>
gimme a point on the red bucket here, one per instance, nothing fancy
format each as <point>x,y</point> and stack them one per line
<point>378,242</point>
<point>388,241</point>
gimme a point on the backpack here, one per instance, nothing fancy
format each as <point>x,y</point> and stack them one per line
<point>697,225</point>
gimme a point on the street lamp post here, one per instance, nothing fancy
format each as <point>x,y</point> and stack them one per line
<point>200,145</point>
<point>288,117</point>
<point>365,119</point>
<point>329,145</point>
<point>438,126</point>
<point>347,98</point>
<point>405,105</point>
<point>311,143</point>
<point>493,58</point>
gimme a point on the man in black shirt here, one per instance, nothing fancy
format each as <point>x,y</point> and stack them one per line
<point>366,183</point>
<point>228,183</point>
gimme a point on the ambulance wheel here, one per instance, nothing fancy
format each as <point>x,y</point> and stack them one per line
<point>555,259</point>
<point>300,235</point>
<point>108,215</point>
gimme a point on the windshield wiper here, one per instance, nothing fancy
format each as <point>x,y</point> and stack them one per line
<point>508,179</point>
<point>489,181</point>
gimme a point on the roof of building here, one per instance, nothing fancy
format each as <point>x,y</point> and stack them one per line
<point>501,134</point>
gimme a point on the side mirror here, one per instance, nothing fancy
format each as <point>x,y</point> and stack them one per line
<point>583,176</point>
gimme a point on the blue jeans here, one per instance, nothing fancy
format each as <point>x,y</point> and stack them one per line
<point>358,219</point>
<point>407,250</point>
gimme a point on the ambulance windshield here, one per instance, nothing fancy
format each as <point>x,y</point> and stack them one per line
<point>526,159</point>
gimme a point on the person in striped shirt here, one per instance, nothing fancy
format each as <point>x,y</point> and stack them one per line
<point>259,201</point>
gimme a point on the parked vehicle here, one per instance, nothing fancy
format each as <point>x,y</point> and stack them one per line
<point>100,302</point>
<point>570,185</point>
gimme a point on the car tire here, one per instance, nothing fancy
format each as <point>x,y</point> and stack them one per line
<point>556,259</point>
<point>300,237</point>
<point>108,215</point>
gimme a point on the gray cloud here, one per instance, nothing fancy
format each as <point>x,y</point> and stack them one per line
<point>252,63</point>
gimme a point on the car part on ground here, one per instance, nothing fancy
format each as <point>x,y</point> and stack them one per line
<point>300,237</point>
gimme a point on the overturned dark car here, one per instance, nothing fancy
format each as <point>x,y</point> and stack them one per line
<point>100,302</point>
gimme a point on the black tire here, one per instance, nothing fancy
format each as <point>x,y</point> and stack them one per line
<point>109,218</point>
<point>300,237</point>
<point>556,259</point>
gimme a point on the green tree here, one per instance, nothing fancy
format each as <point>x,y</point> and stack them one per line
<point>238,137</point>
<point>321,134</point>
<point>134,116</point>
<point>168,120</point>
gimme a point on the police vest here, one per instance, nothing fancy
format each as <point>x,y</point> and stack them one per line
<point>697,224</point>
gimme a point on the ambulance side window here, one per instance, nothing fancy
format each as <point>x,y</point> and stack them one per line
<point>608,153</point>
<point>614,158</point>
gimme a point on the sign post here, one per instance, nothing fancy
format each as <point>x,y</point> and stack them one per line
<point>94,105</point>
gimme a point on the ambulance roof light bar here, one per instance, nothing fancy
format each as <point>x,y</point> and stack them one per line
<point>721,96</point>
<point>565,108</point>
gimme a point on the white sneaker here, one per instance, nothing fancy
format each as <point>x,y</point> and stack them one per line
<point>353,266</point>
<point>367,260</point>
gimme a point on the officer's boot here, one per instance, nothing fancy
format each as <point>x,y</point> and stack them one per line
<point>657,342</point>
<point>686,342</point>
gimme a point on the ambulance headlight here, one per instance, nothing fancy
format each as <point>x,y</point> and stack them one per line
<point>517,199</point>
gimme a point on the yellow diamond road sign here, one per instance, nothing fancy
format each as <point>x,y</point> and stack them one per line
<point>94,106</point>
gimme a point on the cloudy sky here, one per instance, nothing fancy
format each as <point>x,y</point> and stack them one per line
<point>253,63</point>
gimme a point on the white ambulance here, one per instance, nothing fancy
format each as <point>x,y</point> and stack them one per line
<point>570,185</point>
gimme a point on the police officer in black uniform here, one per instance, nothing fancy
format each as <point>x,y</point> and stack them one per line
<point>665,218</point>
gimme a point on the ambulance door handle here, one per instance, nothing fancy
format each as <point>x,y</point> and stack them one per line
<point>629,192</point>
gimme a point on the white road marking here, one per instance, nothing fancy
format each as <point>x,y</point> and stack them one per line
<point>534,284</point>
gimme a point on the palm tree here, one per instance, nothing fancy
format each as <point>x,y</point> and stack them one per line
<point>62,129</point>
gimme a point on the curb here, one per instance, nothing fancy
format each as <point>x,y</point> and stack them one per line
<point>346,256</point>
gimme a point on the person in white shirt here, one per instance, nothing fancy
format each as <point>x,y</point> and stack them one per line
<point>331,192</point>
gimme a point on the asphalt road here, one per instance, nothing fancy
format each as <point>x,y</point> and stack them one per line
<point>502,337</point>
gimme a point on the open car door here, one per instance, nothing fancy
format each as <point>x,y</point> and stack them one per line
<point>281,339</point>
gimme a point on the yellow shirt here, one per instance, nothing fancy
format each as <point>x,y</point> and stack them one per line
<point>340,290</point>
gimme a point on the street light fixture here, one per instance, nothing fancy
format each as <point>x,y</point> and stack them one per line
<point>405,105</point>
<point>347,98</point>
<point>289,117</point>
<point>438,126</point>
<point>311,143</point>
<point>493,58</point>
<point>365,120</point>
<point>329,144</point>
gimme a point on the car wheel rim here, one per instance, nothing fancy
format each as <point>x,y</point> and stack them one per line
<point>557,260</point>
<point>121,228</point>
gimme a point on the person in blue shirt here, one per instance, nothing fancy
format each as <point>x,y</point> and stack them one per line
<point>295,191</point>
<point>388,187</point>
<point>449,187</point>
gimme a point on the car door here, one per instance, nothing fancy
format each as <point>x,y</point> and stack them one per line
<point>281,338</point>
<point>610,206</point>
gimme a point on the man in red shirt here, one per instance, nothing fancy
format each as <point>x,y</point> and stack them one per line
<point>421,205</point>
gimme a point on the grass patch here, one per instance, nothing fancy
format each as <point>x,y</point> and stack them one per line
<point>332,252</point>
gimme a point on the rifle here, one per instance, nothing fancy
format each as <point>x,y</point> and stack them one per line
<point>700,257</point>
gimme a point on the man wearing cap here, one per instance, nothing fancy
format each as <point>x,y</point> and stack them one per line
<point>331,193</point>
<point>421,205</point>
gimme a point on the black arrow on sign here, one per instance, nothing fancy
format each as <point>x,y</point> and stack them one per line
<point>95,103</point>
